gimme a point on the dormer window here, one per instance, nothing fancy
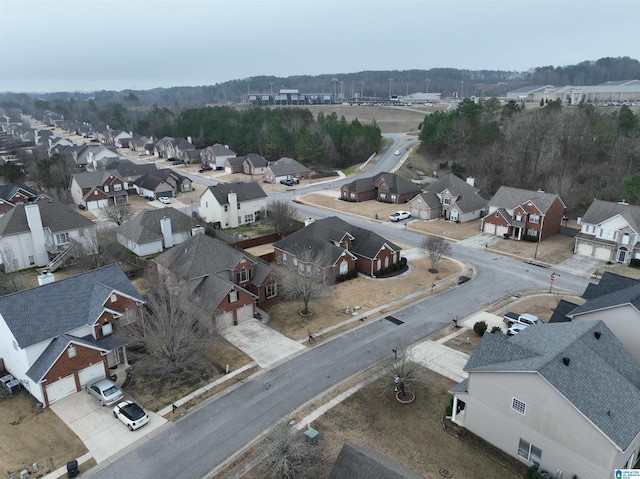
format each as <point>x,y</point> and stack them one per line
<point>107,329</point>
<point>114,297</point>
<point>243,276</point>
<point>446,201</point>
<point>71,352</point>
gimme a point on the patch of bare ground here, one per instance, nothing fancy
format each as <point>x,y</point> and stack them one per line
<point>621,269</point>
<point>367,209</point>
<point>447,229</point>
<point>30,435</point>
<point>410,434</point>
<point>361,291</point>
<point>221,353</point>
<point>539,303</point>
<point>552,250</point>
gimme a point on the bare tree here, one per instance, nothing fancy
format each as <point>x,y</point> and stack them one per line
<point>96,249</point>
<point>308,278</point>
<point>287,456</point>
<point>118,214</point>
<point>435,248</point>
<point>282,215</point>
<point>405,373</point>
<point>12,283</point>
<point>169,343</point>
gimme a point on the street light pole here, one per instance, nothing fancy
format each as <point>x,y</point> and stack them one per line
<point>427,82</point>
<point>390,82</point>
<point>362,91</point>
<point>462,89</point>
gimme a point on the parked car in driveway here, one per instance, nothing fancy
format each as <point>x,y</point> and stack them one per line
<point>205,168</point>
<point>288,182</point>
<point>105,391</point>
<point>526,319</point>
<point>515,329</point>
<point>131,414</point>
<point>164,199</point>
<point>399,216</point>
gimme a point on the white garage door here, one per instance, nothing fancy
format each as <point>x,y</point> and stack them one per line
<point>94,205</point>
<point>501,230</point>
<point>246,312</point>
<point>91,374</point>
<point>490,228</point>
<point>225,319</point>
<point>61,389</point>
<point>602,253</point>
<point>585,249</point>
<point>228,169</point>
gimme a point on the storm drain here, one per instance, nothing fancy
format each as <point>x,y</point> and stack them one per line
<point>394,320</point>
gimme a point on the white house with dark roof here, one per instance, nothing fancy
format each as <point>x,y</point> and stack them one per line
<point>152,231</point>
<point>60,336</point>
<point>42,234</point>
<point>232,204</point>
<point>610,232</point>
<point>98,189</point>
<point>564,396</point>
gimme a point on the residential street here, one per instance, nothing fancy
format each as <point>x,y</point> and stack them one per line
<point>215,430</point>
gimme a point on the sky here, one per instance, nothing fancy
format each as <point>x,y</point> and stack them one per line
<point>89,45</point>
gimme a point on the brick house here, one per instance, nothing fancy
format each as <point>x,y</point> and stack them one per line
<point>517,212</point>
<point>56,354</point>
<point>284,169</point>
<point>385,187</point>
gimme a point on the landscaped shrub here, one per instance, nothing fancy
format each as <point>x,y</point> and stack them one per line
<point>354,273</point>
<point>635,263</point>
<point>532,238</point>
<point>506,235</point>
<point>532,473</point>
<point>403,261</point>
<point>480,327</point>
<point>496,329</point>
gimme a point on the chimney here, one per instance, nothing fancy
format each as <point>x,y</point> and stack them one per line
<point>189,139</point>
<point>232,198</point>
<point>167,234</point>
<point>34,221</point>
<point>471,181</point>
<point>309,221</point>
<point>46,278</point>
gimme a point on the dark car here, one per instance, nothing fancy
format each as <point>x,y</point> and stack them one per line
<point>176,162</point>
<point>288,182</point>
<point>205,168</point>
<point>81,206</point>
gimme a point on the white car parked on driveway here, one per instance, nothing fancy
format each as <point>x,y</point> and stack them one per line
<point>164,199</point>
<point>132,415</point>
<point>399,216</point>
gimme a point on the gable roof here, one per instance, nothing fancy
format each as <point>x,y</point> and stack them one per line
<point>221,150</point>
<point>618,297</point>
<point>356,462</point>
<point>396,183</point>
<point>88,179</point>
<point>287,166</point>
<point>145,226</point>
<point>609,283</point>
<point>600,211</point>
<point>560,313</point>
<point>430,198</point>
<point>256,160</point>
<point>129,169</point>
<point>244,191</point>
<point>56,216</point>
<point>321,235</point>
<point>47,311</point>
<point>7,192</point>
<point>468,198</point>
<point>235,161</point>
<point>602,379</point>
<point>509,198</point>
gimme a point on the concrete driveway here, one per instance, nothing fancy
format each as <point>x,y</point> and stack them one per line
<point>97,428</point>
<point>580,265</point>
<point>263,344</point>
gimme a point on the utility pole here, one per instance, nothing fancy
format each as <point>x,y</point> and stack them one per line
<point>462,89</point>
<point>427,83</point>
<point>407,89</point>
<point>248,83</point>
<point>390,82</point>
<point>362,91</point>
<point>335,83</point>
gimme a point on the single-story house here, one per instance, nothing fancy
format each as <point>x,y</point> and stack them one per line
<point>284,169</point>
<point>385,187</point>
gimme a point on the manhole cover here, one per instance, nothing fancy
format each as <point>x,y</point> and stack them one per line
<point>446,473</point>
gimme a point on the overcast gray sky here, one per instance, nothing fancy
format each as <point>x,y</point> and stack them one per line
<point>71,45</point>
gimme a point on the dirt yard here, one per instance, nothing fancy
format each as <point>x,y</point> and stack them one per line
<point>29,435</point>
<point>367,209</point>
<point>361,291</point>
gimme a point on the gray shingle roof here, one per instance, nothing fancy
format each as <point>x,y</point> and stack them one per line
<point>354,462</point>
<point>430,198</point>
<point>145,226</point>
<point>87,179</point>
<point>256,160</point>
<point>129,169</point>
<point>53,309</point>
<point>56,216</point>
<point>244,191</point>
<point>609,283</point>
<point>235,161</point>
<point>321,235</point>
<point>397,184</point>
<point>287,166</point>
<point>221,150</point>
<point>509,198</point>
<point>628,295</point>
<point>7,192</point>
<point>560,313</point>
<point>602,379</point>
<point>600,211</point>
<point>468,198</point>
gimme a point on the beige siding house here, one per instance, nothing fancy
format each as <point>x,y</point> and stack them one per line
<point>564,396</point>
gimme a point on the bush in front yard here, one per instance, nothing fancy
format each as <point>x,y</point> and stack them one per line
<point>496,329</point>
<point>480,328</point>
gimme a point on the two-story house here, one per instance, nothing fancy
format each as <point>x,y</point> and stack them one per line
<point>216,155</point>
<point>60,336</point>
<point>516,213</point>
<point>43,234</point>
<point>610,232</point>
<point>563,396</point>
<point>450,198</point>
<point>98,189</point>
<point>228,205</point>
<point>220,280</point>
<point>17,194</point>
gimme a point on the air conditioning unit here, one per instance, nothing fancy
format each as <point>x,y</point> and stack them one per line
<point>13,386</point>
<point>6,379</point>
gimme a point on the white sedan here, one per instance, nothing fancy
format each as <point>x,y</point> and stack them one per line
<point>164,199</point>
<point>132,415</point>
<point>399,216</point>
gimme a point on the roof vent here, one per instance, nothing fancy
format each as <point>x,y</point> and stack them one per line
<point>597,334</point>
<point>609,412</point>
<point>566,361</point>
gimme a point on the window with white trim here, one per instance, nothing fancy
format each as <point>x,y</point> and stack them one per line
<point>529,452</point>
<point>590,229</point>
<point>248,218</point>
<point>607,234</point>
<point>446,201</point>
<point>534,218</point>
<point>107,329</point>
<point>71,352</point>
<point>62,238</point>
<point>117,187</point>
<point>233,296</point>
<point>243,275</point>
<point>114,297</point>
<point>518,406</point>
<point>271,289</point>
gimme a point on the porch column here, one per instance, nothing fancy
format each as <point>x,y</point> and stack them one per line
<point>455,408</point>
<point>630,461</point>
<point>124,355</point>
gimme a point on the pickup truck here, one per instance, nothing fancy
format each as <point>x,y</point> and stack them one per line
<point>526,319</point>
